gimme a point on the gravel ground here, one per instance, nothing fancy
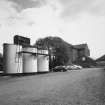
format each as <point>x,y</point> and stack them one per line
<point>78,87</point>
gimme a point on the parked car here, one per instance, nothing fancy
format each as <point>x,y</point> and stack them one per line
<point>73,67</point>
<point>59,69</point>
<point>77,67</point>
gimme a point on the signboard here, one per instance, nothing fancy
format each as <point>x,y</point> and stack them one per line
<point>20,40</point>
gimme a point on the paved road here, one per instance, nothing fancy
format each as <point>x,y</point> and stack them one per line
<point>78,87</point>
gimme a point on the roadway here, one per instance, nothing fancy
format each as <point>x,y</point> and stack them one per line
<point>77,87</point>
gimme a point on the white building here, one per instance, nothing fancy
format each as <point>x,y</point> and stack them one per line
<point>19,59</point>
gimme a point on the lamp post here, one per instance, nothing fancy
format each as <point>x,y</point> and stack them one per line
<point>49,49</point>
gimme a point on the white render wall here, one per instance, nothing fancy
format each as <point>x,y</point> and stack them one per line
<point>29,61</point>
<point>43,63</point>
<point>12,60</point>
<point>24,60</point>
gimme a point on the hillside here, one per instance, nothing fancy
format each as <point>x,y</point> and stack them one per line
<point>102,58</point>
<point>101,61</point>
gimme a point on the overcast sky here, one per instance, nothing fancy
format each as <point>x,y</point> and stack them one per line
<point>76,21</point>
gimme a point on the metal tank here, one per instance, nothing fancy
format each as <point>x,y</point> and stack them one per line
<point>29,60</point>
<point>43,61</point>
<point>12,58</point>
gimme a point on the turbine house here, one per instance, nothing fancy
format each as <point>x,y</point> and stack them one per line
<point>23,58</point>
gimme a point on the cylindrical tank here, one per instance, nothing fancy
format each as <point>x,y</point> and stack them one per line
<point>29,60</point>
<point>12,58</point>
<point>43,63</point>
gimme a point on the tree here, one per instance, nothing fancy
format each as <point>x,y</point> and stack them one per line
<point>57,47</point>
<point>1,62</point>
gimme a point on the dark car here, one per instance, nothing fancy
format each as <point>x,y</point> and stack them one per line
<point>59,69</point>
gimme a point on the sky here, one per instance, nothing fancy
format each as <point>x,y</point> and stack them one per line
<point>75,21</point>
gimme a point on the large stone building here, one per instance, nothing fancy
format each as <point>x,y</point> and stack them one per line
<point>81,56</point>
<point>80,51</point>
